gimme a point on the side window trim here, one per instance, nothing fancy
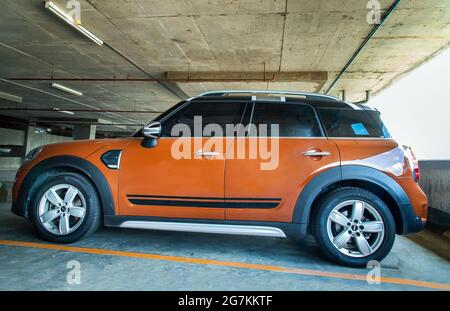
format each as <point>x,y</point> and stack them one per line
<point>241,122</point>
<point>173,112</point>
<point>323,132</point>
<point>249,109</point>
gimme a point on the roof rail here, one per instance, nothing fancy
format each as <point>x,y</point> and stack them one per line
<point>228,92</point>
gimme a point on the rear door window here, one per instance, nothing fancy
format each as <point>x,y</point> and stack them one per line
<point>340,122</point>
<point>293,120</point>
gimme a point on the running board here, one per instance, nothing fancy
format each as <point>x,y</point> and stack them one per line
<point>204,228</point>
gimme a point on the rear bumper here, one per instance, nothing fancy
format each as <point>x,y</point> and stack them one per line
<point>415,212</point>
<point>418,225</point>
<point>411,222</point>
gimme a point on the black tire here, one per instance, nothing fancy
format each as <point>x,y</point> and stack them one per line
<point>92,219</point>
<point>320,218</point>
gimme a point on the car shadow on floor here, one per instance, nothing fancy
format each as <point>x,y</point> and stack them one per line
<point>249,249</point>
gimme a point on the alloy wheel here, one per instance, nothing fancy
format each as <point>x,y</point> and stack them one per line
<point>62,209</point>
<point>355,228</point>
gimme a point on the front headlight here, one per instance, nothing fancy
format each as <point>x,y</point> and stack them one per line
<point>32,154</point>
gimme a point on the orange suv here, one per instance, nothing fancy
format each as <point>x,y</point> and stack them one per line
<point>266,163</point>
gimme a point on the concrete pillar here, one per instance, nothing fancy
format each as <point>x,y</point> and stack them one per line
<point>343,97</point>
<point>368,93</point>
<point>84,131</point>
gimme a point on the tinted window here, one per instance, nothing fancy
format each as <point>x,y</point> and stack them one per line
<point>211,113</point>
<point>294,120</point>
<point>352,123</point>
<point>169,111</point>
<point>163,115</point>
<point>376,117</point>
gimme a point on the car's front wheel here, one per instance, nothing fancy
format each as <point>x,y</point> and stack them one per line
<point>354,226</point>
<point>65,207</point>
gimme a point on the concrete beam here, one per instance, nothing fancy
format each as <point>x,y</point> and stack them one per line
<point>64,120</point>
<point>233,76</point>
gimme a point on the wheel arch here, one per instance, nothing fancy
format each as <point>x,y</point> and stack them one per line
<point>362,177</point>
<point>64,164</point>
<point>374,188</point>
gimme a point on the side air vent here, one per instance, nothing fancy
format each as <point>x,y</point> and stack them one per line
<point>112,159</point>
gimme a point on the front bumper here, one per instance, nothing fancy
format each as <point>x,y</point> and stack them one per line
<point>17,211</point>
<point>17,207</point>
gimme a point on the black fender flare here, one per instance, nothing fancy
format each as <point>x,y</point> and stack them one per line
<point>20,207</point>
<point>302,210</point>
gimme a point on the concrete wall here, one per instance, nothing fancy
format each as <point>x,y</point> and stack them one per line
<point>435,182</point>
<point>36,140</point>
<point>11,137</point>
<point>33,140</point>
<point>9,165</point>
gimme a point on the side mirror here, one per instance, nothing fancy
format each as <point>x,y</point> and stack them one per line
<point>151,132</point>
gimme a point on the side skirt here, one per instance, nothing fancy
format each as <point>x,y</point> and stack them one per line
<point>251,228</point>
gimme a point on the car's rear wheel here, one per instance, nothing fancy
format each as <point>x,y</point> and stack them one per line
<point>354,226</point>
<point>65,207</point>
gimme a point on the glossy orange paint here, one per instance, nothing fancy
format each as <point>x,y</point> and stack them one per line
<point>245,179</point>
<point>80,148</point>
<point>358,149</point>
<point>112,176</point>
<point>155,171</point>
<point>417,197</point>
<point>382,154</point>
<point>369,152</point>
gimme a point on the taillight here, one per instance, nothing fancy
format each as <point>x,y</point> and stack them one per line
<point>413,162</point>
<point>416,168</point>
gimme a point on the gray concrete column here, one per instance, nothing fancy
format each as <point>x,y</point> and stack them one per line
<point>84,132</point>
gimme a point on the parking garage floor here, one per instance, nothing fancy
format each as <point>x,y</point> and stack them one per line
<point>123,259</point>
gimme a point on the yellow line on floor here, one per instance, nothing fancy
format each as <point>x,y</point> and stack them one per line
<point>234,264</point>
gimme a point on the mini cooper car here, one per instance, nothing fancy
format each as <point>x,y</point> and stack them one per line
<point>321,166</point>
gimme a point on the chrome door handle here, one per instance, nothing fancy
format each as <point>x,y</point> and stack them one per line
<point>316,153</point>
<point>201,153</point>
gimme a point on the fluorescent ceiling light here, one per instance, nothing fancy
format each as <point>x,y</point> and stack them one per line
<point>66,89</point>
<point>64,111</point>
<point>104,121</point>
<point>5,150</point>
<point>40,130</point>
<point>10,97</point>
<point>69,20</point>
<point>67,112</point>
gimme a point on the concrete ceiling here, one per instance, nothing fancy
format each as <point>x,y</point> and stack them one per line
<point>201,45</point>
